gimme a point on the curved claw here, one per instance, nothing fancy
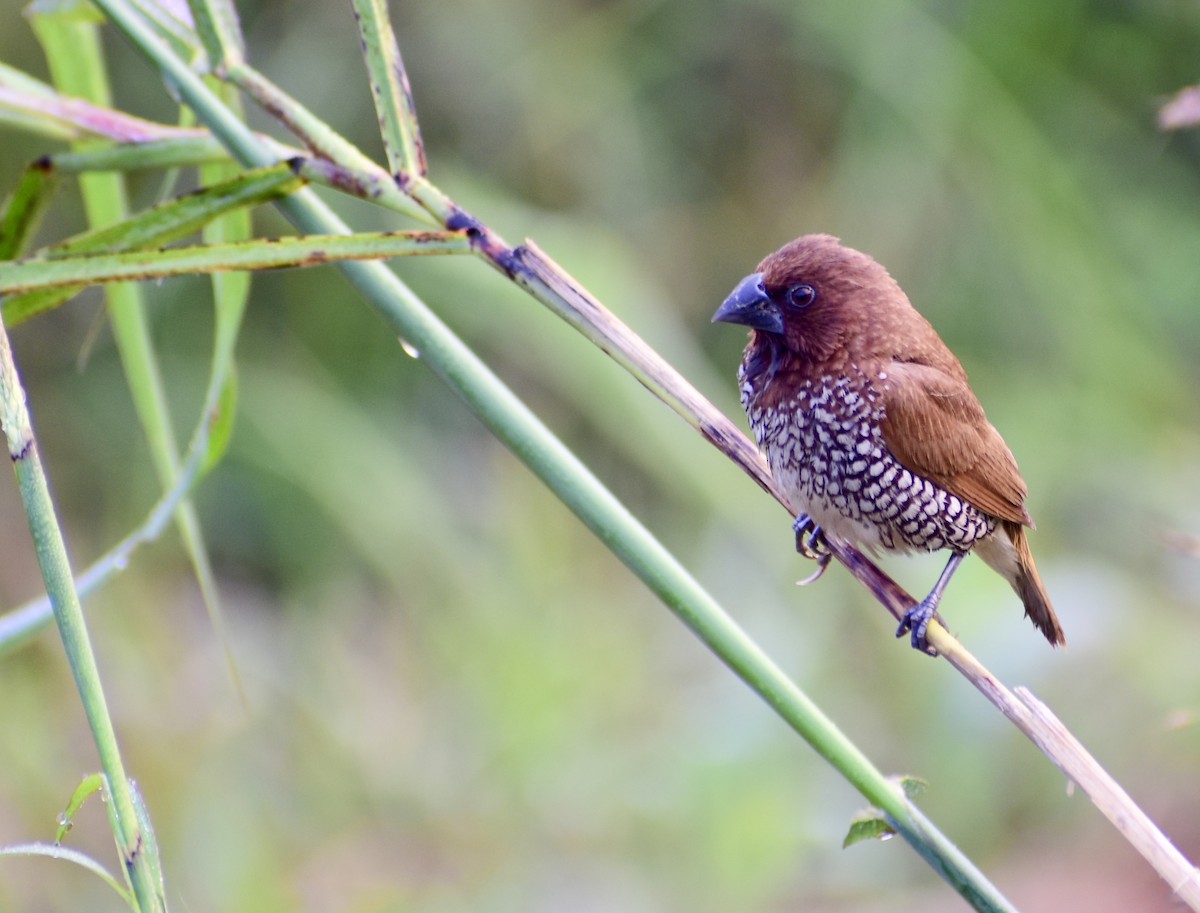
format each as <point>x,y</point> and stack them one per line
<point>822,564</point>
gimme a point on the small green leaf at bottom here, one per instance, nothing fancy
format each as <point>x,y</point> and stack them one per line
<point>92,783</point>
<point>868,824</point>
<point>220,426</point>
<point>872,823</point>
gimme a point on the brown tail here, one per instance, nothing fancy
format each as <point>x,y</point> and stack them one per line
<point>1030,588</point>
<point>1016,565</point>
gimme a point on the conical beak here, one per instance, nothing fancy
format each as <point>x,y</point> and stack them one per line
<point>750,306</point>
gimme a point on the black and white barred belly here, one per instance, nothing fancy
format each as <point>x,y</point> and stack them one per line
<point>826,452</point>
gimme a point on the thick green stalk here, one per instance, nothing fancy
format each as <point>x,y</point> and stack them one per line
<point>511,421</point>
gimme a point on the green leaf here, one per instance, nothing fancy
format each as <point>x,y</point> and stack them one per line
<point>22,210</point>
<point>220,429</point>
<point>390,89</point>
<point>19,81</point>
<point>219,30</point>
<point>151,856</point>
<point>873,823</point>
<point>184,215</point>
<point>91,784</point>
<point>155,227</point>
<point>306,250</point>
<point>66,10</point>
<point>868,824</point>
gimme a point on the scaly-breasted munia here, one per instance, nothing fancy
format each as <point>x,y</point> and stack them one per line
<point>870,427</point>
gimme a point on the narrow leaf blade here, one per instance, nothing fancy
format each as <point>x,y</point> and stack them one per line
<point>869,824</point>
<point>23,209</point>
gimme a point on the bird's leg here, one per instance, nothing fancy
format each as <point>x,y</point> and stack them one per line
<point>918,617</point>
<point>810,542</point>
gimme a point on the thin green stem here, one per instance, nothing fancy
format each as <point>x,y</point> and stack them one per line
<point>73,51</point>
<point>322,139</point>
<point>23,623</point>
<point>132,841</point>
<point>219,31</point>
<point>163,153</point>
<point>66,854</point>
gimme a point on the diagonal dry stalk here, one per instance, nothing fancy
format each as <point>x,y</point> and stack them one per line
<point>533,270</point>
<point>550,284</point>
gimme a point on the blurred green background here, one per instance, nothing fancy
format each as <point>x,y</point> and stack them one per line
<point>458,699</point>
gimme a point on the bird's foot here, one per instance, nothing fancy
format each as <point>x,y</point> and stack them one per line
<point>810,539</point>
<point>917,621</point>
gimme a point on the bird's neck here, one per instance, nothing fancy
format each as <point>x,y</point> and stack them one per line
<point>772,371</point>
<point>765,356</point>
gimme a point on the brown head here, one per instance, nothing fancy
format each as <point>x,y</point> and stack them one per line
<point>827,305</point>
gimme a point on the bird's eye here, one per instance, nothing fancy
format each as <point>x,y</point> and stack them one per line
<point>801,296</point>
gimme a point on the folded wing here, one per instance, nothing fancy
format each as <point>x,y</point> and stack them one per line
<point>935,427</point>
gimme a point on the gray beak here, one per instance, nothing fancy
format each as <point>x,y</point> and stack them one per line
<point>750,306</point>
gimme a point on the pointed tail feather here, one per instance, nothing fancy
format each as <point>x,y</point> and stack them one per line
<point>1012,558</point>
<point>1032,591</point>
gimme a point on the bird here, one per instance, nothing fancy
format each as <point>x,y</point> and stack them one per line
<point>870,427</point>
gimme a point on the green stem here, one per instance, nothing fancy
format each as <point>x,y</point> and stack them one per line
<point>73,51</point>
<point>318,136</point>
<point>56,573</point>
<point>23,623</point>
<point>512,422</point>
<point>160,153</point>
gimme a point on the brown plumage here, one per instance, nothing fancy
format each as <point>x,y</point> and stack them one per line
<point>869,423</point>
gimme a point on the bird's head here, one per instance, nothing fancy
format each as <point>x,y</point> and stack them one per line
<point>813,297</point>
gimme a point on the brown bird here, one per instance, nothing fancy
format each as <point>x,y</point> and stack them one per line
<point>870,427</point>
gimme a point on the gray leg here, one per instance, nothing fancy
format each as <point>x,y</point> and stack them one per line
<point>918,617</point>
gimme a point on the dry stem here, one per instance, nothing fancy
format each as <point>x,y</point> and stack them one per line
<point>533,269</point>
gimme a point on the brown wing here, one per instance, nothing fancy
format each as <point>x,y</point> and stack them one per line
<point>934,426</point>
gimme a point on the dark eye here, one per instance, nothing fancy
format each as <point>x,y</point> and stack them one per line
<point>801,296</point>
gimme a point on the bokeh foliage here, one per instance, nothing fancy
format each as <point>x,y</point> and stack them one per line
<point>458,699</point>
